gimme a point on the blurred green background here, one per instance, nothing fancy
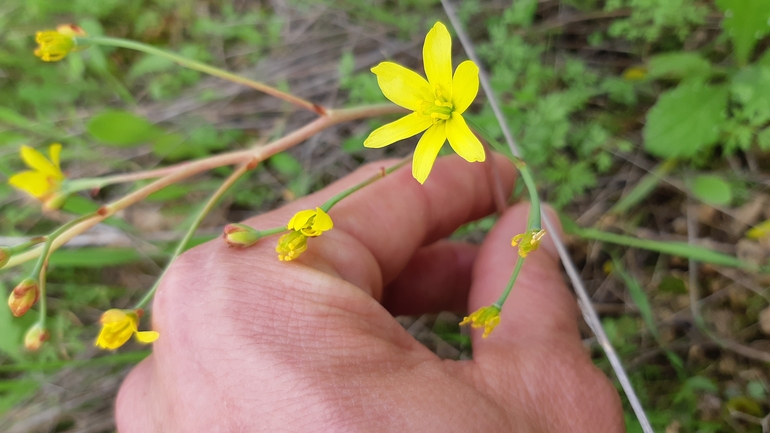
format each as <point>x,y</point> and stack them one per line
<point>641,118</point>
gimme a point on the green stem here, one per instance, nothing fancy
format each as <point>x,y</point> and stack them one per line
<point>533,221</point>
<point>511,281</point>
<point>38,272</point>
<point>201,67</point>
<point>182,245</point>
<point>24,246</point>
<point>334,200</point>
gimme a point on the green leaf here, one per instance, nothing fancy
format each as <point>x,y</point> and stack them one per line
<point>711,189</point>
<point>95,257</point>
<point>746,21</point>
<point>750,87</point>
<point>286,164</point>
<point>121,128</point>
<point>678,65</point>
<point>685,120</point>
<point>763,139</point>
<point>681,249</point>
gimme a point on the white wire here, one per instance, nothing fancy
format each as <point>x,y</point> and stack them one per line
<point>584,301</point>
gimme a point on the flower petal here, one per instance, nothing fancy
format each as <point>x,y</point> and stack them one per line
<point>147,336</point>
<point>437,57</point>
<point>462,140</point>
<point>33,182</point>
<point>403,86</point>
<point>465,86</point>
<point>427,150</point>
<point>37,161</point>
<point>405,127</point>
<point>300,219</point>
<point>54,151</point>
<point>322,221</point>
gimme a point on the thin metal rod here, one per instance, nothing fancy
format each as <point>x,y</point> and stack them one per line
<point>584,301</point>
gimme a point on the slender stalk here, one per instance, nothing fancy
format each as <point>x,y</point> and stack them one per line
<point>41,266</point>
<point>511,281</point>
<point>202,67</point>
<point>182,245</point>
<point>192,168</point>
<point>26,245</point>
<point>334,200</point>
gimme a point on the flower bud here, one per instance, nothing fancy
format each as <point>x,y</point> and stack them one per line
<point>35,337</point>
<point>5,255</point>
<point>24,296</point>
<point>55,201</point>
<point>240,235</point>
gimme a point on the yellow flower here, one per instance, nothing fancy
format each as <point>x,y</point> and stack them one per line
<point>528,241</point>
<point>54,45</point>
<point>486,317</point>
<point>437,104</point>
<point>304,224</point>
<point>761,230</point>
<point>291,245</point>
<point>311,223</point>
<point>45,178</point>
<point>118,326</point>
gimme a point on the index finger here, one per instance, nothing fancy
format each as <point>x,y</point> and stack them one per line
<point>378,229</point>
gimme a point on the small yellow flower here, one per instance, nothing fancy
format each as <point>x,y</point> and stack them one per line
<point>54,45</point>
<point>635,73</point>
<point>437,104</point>
<point>291,245</point>
<point>118,326</point>
<point>528,241</point>
<point>311,223</point>
<point>759,231</point>
<point>45,178</point>
<point>486,317</point>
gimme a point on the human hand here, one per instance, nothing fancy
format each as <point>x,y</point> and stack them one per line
<point>250,344</point>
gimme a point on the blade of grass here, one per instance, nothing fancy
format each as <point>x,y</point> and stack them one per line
<point>644,188</point>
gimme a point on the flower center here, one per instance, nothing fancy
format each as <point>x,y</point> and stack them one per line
<point>439,109</point>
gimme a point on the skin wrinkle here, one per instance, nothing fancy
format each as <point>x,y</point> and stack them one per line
<point>329,353</point>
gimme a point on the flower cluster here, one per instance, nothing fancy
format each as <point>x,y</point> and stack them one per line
<point>484,317</point>
<point>528,242</point>
<point>437,104</point>
<point>304,224</point>
<point>119,325</point>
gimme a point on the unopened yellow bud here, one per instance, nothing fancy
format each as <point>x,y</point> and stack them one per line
<point>528,241</point>
<point>240,235</point>
<point>24,296</point>
<point>35,337</point>
<point>291,245</point>
<point>486,317</point>
<point>5,255</point>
